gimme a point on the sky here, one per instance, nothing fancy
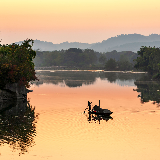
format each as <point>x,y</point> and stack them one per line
<point>86,21</point>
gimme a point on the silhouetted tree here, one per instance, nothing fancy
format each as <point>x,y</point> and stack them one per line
<point>102,59</point>
<point>149,60</point>
<point>111,65</point>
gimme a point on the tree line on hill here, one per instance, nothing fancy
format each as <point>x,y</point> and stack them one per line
<point>86,58</point>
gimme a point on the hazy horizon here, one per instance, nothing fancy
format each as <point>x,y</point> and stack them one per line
<point>76,21</point>
<point>71,41</point>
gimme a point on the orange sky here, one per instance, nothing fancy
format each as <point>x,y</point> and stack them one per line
<point>81,21</point>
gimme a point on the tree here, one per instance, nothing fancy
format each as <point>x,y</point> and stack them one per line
<point>111,64</point>
<point>71,56</point>
<point>90,57</point>
<point>149,60</point>
<point>102,59</point>
<point>16,64</point>
<point>124,64</point>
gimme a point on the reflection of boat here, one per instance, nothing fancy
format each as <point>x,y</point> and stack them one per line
<point>99,117</point>
<point>98,113</point>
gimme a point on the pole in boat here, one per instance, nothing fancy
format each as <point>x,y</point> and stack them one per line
<point>99,103</point>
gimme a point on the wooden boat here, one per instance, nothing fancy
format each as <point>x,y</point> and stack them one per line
<point>102,113</point>
<point>99,111</point>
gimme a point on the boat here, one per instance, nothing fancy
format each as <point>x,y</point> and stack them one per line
<point>99,111</point>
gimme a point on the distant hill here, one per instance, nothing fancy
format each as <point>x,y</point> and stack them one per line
<point>134,47</point>
<point>127,42</point>
<point>130,42</point>
<point>49,46</point>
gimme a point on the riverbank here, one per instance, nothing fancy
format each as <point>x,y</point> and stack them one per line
<point>13,92</point>
<point>98,67</point>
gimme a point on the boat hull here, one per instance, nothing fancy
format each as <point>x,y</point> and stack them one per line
<point>101,113</point>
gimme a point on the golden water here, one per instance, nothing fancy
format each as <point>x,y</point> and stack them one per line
<point>63,131</point>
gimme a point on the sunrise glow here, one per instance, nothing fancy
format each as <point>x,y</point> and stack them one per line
<point>81,21</point>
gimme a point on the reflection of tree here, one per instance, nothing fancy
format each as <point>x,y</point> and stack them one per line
<point>149,91</point>
<point>78,83</point>
<point>113,76</point>
<point>78,78</point>
<point>71,78</point>
<point>17,125</point>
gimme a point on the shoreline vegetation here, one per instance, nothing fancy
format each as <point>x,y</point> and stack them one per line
<point>16,70</point>
<point>16,64</point>
<point>51,69</point>
<point>147,60</point>
<point>75,58</point>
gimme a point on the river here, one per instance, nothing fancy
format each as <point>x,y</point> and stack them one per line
<point>53,124</point>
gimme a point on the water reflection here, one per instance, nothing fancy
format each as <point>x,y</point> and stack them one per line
<point>67,78</point>
<point>123,78</point>
<point>17,125</point>
<point>149,91</point>
<point>97,117</point>
<point>79,78</point>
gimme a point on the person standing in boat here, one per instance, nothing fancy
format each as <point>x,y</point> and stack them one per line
<point>89,105</point>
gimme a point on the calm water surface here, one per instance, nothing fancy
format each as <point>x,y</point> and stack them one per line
<point>59,129</point>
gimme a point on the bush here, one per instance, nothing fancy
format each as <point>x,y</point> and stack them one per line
<point>16,64</point>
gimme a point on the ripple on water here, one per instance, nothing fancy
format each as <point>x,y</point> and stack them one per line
<point>68,124</point>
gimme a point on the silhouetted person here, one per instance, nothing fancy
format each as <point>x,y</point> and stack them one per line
<point>89,104</point>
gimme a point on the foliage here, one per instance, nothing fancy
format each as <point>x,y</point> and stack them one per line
<point>149,60</point>
<point>84,59</point>
<point>111,64</point>
<point>102,59</point>
<point>121,65</point>
<point>71,57</point>
<point>124,64</point>
<point>16,63</point>
<point>129,55</point>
